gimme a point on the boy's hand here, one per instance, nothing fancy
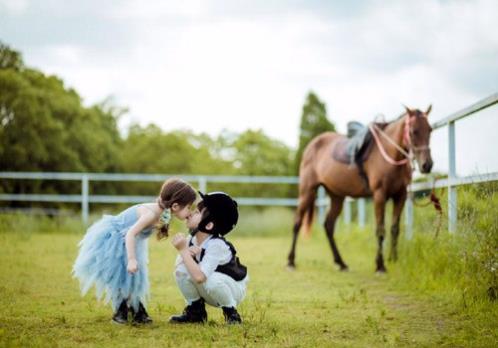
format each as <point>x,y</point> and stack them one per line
<point>179,242</point>
<point>132,266</point>
<point>194,250</point>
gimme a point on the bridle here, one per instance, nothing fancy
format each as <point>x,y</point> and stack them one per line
<point>407,142</point>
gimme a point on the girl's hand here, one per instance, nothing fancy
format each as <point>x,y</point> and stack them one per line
<point>132,266</point>
<point>179,242</point>
<point>194,250</point>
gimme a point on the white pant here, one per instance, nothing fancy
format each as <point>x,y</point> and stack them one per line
<point>218,290</point>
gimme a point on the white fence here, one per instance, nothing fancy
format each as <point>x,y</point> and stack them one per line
<point>85,178</point>
<point>203,180</point>
<point>452,180</point>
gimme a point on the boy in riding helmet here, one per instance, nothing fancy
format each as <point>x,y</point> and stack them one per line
<point>207,269</point>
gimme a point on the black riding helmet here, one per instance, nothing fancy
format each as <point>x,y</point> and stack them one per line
<point>221,211</point>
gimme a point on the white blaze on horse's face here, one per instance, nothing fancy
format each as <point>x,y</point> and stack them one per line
<point>420,136</point>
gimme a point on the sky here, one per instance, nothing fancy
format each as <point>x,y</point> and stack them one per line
<point>213,65</point>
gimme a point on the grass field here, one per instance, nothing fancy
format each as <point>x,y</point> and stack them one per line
<point>316,305</point>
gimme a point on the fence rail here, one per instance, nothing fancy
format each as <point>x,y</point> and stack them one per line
<point>85,178</point>
<point>203,180</point>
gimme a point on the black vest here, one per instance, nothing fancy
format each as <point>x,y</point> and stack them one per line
<point>233,268</point>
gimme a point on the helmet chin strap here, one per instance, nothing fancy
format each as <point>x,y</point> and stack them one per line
<point>193,231</point>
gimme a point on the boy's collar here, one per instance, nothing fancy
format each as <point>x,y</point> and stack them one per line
<point>205,237</point>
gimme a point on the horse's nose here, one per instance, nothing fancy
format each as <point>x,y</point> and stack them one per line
<point>427,166</point>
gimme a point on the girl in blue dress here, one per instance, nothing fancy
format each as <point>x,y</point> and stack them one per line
<point>113,253</point>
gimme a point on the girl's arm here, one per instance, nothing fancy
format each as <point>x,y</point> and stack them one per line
<point>180,243</point>
<point>145,219</point>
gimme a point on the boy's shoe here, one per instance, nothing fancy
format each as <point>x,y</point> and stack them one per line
<point>231,315</point>
<point>194,313</point>
<point>141,316</point>
<point>121,315</point>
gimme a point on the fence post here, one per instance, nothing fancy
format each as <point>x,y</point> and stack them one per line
<point>84,198</point>
<point>452,193</point>
<point>321,204</point>
<point>361,212</point>
<point>409,216</point>
<point>203,184</point>
<point>347,210</point>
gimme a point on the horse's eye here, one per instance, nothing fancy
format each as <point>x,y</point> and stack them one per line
<point>415,132</point>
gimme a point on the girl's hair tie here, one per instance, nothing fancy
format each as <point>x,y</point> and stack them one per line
<point>165,216</point>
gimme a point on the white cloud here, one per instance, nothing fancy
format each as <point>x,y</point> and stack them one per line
<point>14,7</point>
<point>158,9</point>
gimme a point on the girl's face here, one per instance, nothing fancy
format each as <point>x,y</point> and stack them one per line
<point>181,212</point>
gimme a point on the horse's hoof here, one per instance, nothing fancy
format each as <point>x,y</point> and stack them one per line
<point>381,271</point>
<point>291,268</point>
<point>343,268</point>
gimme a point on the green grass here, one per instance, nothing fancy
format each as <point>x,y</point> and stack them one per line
<point>316,305</point>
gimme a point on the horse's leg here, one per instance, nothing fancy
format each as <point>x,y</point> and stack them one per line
<point>399,202</point>
<point>306,203</point>
<point>380,206</point>
<point>334,211</point>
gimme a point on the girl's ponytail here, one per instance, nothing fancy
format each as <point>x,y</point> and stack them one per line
<point>162,227</point>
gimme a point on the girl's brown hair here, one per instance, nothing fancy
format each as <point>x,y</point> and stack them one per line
<point>173,191</point>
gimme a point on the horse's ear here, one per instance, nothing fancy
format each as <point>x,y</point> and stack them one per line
<point>428,110</point>
<point>408,110</point>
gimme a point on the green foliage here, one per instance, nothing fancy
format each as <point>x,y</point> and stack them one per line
<point>464,264</point>
<point>45,127</point>
<point>9,58</point>
<point>254,153</point>
<point>258,154</point>
<point>314,121</point>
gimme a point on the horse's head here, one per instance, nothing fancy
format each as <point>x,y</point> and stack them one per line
<point>419,136</point>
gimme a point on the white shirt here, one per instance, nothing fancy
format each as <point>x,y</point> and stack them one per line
<point>216,253</point>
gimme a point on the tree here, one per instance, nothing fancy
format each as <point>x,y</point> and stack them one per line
<point>258,154</point>
<point>314,121</point>
<point>45,127</point>
<point>255,153</point>
<point>9,58</point>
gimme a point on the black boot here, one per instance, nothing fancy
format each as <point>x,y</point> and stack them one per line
<point>121,315</point>
<point>141,316</point>
<point>231,315</point>
<point>194,313</point>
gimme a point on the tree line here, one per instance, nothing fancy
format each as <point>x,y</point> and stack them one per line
<point>44,127</point>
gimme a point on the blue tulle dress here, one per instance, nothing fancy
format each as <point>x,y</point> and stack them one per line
<point>102,260</point>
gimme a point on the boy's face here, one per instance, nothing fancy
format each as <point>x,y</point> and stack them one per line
<point>194,219</point>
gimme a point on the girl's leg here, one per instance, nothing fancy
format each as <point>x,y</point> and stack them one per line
<point>121,314</point>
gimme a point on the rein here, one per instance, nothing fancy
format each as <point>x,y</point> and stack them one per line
<point>437,205</point>
<point>408,157</point>
<point>406,140</point>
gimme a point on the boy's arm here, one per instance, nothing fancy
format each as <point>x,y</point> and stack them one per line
<point>180,243</point>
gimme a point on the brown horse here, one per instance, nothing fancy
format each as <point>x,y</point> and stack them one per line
<point>385,175</point>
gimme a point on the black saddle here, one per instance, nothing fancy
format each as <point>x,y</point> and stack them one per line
<point>355,148</point>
